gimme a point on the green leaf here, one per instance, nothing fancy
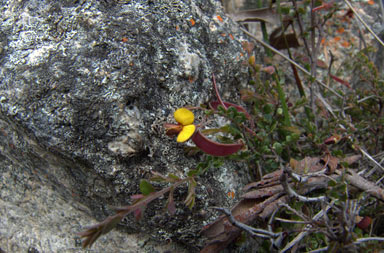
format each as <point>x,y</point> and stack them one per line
<point>158,179</point>
<point>190,199</point>
<point>223,129</point>
<point>172,177</point>
<point>278,147</point>
<point>145,187</point>
<point>268,108</point>
<point>192,173</point>
<point>302,11</point>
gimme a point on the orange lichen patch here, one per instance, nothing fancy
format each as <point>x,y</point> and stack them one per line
<point>231,194</point>
<point>340,30</point>
<point>231,36</point>
<point>177,28</point>
<point>219,18</point>
<point>191,79</point>
<point>192,21</point>
<point>124,39</point>
<point>325,6</point>
<point>337,38</point>
<point>345,43</point>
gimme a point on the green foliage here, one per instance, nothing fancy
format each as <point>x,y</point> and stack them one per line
<point>145,187</point>
<point>279,124</point>
<point>284,125</point>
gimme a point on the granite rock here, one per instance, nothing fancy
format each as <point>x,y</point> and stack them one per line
<point>85,89</point>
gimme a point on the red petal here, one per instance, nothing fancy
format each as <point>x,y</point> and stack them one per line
<point>214,148</point>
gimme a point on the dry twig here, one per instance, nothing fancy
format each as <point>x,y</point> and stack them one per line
<point>363,22</point>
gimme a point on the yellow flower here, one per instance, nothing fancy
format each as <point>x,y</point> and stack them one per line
<point>185,118</point>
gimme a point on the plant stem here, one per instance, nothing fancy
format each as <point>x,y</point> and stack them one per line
<point>291,61</point>
<point>283,102</point>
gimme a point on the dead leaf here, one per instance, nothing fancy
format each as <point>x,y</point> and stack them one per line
<point>308,164</point>
<point>339,80</point>
<point>222,232</point>
<point>264,192</point>
<point>284,41</point>
<point>332,163</point>
<point>264,183</point>
<point>351,159</point>
<point>305,59</point>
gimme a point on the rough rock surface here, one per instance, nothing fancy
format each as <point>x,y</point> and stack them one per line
<point>85,88</point>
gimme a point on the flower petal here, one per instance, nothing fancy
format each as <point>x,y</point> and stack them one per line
<point>172,129</point>
<point>215,148</point>
<point>186,133</point>
<point>184,116</point>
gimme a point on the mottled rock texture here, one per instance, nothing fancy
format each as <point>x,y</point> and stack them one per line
<point>85,88</point>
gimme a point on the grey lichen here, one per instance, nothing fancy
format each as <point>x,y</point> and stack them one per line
<point>90,83</point>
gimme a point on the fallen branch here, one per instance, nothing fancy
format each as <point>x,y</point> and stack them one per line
<point>366,186</point>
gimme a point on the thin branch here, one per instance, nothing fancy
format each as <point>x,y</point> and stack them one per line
<point>95,231</point>
<point>304,179</point>
<point>295,212</point>
<point>300,23</point>
<point>363,22</point>
<point>291,61</point>
<point>358,241</point>
<point>318,250</point>
<point>292,193</point>
<point>371,158</point>
<point>251,230</point>
<point>300,236</point>
<point>291,221</point>
<point>363,184</point>
<point>275,242</point>
<point>313,62</point>
<point>329,108</point>
<point>382,11</point>
<point>365,239</point>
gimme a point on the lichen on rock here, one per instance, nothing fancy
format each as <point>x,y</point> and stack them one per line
<point>83,84</point>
